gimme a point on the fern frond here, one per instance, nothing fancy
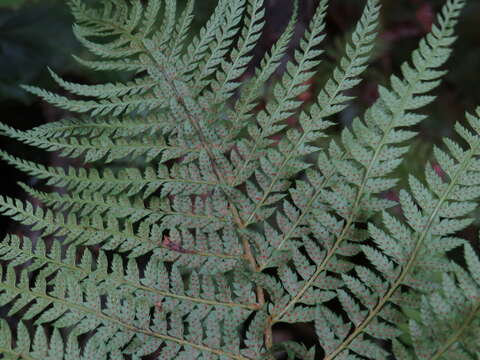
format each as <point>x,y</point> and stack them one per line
<point>104,91</point>
<point>39,347</point>
<point>140,95</point>
<point>111,18</point>
<point>168,23</point>
<point>204,251</point>
<point>286,92</point>
<point>248,97</point>
<point>135,66</point>
<point>404,249</point>
<point>114,106</point>
<point>92,128</point>
<point>198,214</point>
<point>221,46</point>
<point>94,149</point>
<point>181,31</point>
<point>194,232</point>
<point>186,180</point>
<point>118,49</point>
<point>372,153</point>
<point>450,319</point>
<point>70,303</point>
<point>225,80</point>
<point>156,285</point>
<point>295,145</point>
<point>91,204</point>
<point>199,47</point>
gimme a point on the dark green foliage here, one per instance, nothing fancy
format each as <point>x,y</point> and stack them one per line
<point>32,38</point>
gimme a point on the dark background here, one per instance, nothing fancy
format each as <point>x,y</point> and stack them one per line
<point>37,34</point>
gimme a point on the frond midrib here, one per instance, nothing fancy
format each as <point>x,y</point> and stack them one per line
<point>413,257</point>
<point>100,315</point>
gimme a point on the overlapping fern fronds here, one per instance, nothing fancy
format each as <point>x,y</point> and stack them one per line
<point>190,232</point>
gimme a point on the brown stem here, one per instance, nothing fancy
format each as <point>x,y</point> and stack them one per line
<point>269,333</point>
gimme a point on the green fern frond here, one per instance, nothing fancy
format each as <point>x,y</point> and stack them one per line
<point>92,204</point>
<point>181,31</point>
<point>193,232</point>
<point>114,106</point>
<point>251,91</point>
<point>105,91</point>
<point>405,249</point>
<point>93,128</point>
<point>101,147</point>
<point>448,328</point>
<point>186,180</point>
<point>40,346</point>
<point>94,270</point>
<point>221,46</point>
<point>70,302</point>
<point>203,250</point>
<point>296,143</point>
<point>168,23</point>
<point>286,92</point>
<point>112,65</point>
<point>371,153</point>
<point>199,47</point>
<point>241,56</point>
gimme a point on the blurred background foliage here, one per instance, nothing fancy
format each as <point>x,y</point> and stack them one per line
<point>35,34</point>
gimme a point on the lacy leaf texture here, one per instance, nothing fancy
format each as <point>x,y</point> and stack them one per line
<point>198,220</point>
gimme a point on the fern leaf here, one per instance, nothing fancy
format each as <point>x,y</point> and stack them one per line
<point>426,225</point>
<point>113,90</point>
<point>90,205</point>
<point>40,346</point>
<point>112,65</point>
<point>449,321</point>
<point>168,23</point>
<point>92,128</point>
<point>113,106</point>
<point>285,101</point>
<point>199,47</point>
<point>93,271</point>
<point>194,232</point>
<point>114,50</point>
<point>252,90</point>
<point>101,147</point>
<point>346,73</point>
<point>131,181</point>
<point>180,211</point>
<point>70,303</point>
<point>181,31</point>
<point>358,171</point>
<point>221,45</point>
<point>150,16</point>
<point>112,235</point>
<point>225,83</point>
